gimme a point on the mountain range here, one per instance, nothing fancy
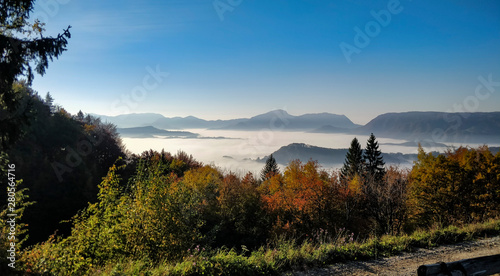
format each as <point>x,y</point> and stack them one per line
<point>478,127</point>
<point>274,120</point>
<point>418,127</point>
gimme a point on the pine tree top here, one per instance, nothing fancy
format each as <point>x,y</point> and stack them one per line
<point>271,168</point>
<point>354,159</point>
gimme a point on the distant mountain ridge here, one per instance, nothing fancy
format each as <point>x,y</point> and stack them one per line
<point>274,120</point>
<point>131,120</point>
<point>152,132</point>
<point>478,127</point>
<point>418,127</point>
<point>328,156</point>
<point>281,120</point>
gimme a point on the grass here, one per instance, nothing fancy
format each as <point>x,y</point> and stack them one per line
<point>288,255</point>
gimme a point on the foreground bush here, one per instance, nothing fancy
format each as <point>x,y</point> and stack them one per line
<point>273,259</point>
<point>288,255</point>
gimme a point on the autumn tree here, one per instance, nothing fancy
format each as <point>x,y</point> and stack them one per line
<point>270,169</point>
<point>460,186</point>
<point>385,202</point>
<point>301,200</point>
<point>242,216</point>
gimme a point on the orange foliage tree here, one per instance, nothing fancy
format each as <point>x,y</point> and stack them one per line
<point>242,220</point>
<point>461,186</point>
<point>301,200</point>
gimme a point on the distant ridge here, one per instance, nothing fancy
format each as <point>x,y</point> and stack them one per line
<point>281,120</point>
<point>417,127</point>
<point>131,120</point>
<point>273,120</point>
<point>479,127</point>
<point>151,132</point>
<point>328,156</point>
<point>330,129</point>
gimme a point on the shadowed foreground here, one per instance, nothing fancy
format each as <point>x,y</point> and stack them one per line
<point>407,263</point>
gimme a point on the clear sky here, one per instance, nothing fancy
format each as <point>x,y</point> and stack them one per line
<point>239,58</point>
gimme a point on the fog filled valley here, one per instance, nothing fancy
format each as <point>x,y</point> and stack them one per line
<point>238,151</point>
<point>239,147</point>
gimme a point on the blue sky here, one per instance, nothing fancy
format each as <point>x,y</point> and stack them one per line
<point>239,58</point>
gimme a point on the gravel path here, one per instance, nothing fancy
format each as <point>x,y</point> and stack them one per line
<point>407,263</point>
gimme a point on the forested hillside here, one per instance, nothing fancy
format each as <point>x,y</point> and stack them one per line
<point>61,159</point>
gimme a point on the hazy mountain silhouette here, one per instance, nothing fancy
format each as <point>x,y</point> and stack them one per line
<point>436,126</point>
<point>150,132</point>
<point>132,120</point>
<point>417,127</point>
<point>414,144</point>
<point>328,156</point>
<point>281,120</point>
<point>331,129</point>
<point>191,122</point>
<point>274,120</point>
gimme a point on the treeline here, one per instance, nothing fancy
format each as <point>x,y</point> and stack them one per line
<point>161,207</point>
<point>61,159</point>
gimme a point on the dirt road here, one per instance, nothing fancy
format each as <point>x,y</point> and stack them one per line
<point>407,263</point>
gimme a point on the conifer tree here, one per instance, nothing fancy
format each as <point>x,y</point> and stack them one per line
<point>23,48</point>
<point>270,169</point>
<point>49,101</point>
<point>20,49</point>
<point>353,164</point>
<point>80,116</point>
<point>374,162</point>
